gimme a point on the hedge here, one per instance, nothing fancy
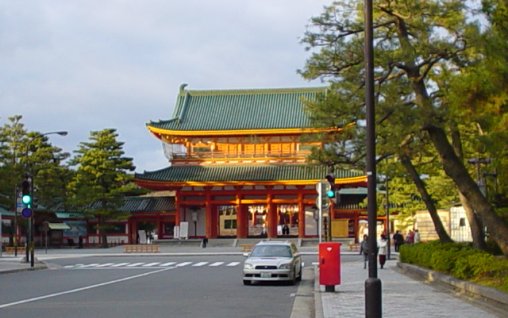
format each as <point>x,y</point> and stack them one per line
<point>459,260</point>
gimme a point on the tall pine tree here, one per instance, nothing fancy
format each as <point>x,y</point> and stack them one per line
<point>102,178</point>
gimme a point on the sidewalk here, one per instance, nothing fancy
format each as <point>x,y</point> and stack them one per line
<point>401,296</point>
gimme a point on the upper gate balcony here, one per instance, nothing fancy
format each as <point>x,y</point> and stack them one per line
<point>219,153</point>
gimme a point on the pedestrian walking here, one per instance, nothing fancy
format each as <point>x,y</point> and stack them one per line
<point>398,240</point>
<point>285,229</point>
<point>382,246</point>
<point>364,250</point>
<point>410,238</point>
<point>417,238</point>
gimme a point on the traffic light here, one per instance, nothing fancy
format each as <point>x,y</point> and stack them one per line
<point>330,190</point>
<point>26,192</point>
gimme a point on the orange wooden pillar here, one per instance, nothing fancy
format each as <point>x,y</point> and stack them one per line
<point>271,217</point>
<point>177,207</point>
<point>301,215</point>
<point>242,220</point>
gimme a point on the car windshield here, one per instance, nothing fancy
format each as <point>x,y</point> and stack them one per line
<point>271,251</point>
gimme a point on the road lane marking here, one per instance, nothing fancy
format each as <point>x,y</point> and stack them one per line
<point>216,264</point>
<point>135,264</point>
<point>199,264</point>
<point>151,264</point>
<point>105,265</point>
<point>183,264</point>
<point>167,264</point>
<point>71,291</point>
<point>120,264</point>
<point>233,264</point>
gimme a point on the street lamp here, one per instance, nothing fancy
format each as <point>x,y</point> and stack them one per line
<point>479,179</point>
<point>373,283</point>
<point>31,227</point>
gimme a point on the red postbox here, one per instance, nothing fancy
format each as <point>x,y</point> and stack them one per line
<point>329,264</point>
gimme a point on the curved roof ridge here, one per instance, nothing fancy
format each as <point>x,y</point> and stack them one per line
<point>251,91</point>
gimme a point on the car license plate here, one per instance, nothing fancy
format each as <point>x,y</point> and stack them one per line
<point>266,275</point>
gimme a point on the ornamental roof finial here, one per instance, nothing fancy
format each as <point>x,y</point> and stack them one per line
<point>182,88</point>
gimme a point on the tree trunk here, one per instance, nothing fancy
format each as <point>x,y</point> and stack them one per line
<point>477,228</point>
<point>438,225</point>
<point>456,170</point>
<point>475,223</point>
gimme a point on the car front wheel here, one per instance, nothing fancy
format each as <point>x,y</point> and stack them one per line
<point>247,282</point>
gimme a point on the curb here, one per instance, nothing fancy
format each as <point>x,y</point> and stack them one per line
<point>495,297</point>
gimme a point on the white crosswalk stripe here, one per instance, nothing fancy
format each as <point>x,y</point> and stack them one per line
<point>119,265</point>
<point>216,264</point>
<point>233,264</point>
<point>135,264</point>
<point>105,265</point>
<point>167,264</point>
<point>199,264</point>
<point>150,265</point>
<point>183,264</point>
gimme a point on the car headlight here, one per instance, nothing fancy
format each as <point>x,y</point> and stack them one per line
<point>248,266</point>
<point>285,266</point>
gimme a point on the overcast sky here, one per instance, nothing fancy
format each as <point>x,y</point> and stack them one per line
<point>87,65</point>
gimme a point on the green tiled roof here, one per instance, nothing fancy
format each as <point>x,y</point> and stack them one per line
<point>240,109</point>
<point>145,204</point>
<point>242,173</point>
<point>148,204</point>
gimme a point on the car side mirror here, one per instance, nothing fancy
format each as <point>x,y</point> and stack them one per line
<point>246,254</point>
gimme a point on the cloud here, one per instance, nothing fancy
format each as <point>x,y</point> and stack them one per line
<point>87,65</point>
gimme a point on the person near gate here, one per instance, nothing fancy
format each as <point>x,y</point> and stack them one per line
<point>364,250</point>
<point>382,246</point>
<point>285,229</point>
<point>398,240</point>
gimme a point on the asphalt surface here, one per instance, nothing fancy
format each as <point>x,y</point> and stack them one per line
<point>406,290</point>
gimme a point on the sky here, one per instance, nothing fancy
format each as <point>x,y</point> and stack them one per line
<point>87,65</point>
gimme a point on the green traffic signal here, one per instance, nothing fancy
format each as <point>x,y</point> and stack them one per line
<point>26,199</point>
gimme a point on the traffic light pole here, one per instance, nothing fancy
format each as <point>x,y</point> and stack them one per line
<point>32,227</point>
<point>320,210</point>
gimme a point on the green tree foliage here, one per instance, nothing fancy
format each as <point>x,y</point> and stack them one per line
<point>479,97</point>
<point>30,153</point>
<point>420,48</point>
<point>12,148</point>
<point>102,177</point>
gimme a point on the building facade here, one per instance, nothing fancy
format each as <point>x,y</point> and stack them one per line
<point>237,162</point>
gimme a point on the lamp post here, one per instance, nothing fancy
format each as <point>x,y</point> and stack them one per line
<point>373,283</point>
<point>480,180</point>
<point>31,219</point>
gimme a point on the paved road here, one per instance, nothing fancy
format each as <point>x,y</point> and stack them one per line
<point>149,286</point>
